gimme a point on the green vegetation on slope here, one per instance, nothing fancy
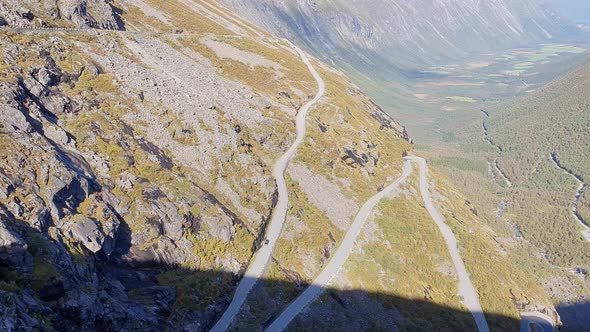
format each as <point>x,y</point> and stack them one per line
<point>554,119</point>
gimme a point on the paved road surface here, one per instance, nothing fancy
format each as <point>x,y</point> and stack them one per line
<point>264,254</point>
<point>339,258</point>
<point>535,322</point>
<point>466,289</point>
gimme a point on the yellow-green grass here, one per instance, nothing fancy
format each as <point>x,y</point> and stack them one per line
<point>187,19</point>
<point>551,50</point>
<point>491,265</point>
<point>405,259</point>
<point>347,114</point>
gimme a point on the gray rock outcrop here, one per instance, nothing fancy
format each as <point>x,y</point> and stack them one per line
<point>86,231</point>
<point>14,119</point>
<point>13,248</point>
<point>98,14</point>
<point>89,13</point>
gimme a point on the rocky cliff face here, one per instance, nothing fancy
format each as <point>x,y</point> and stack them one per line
<point>46,13</point>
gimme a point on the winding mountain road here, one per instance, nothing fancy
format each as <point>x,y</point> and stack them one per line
<point>535,322</point>
<point>339,258</point>
<point>466,289</point>
<point>264,254</point>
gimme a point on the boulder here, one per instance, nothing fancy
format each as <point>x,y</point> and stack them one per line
<point>89,14</point>
<point>163,252</point>
<point>35,88</point>
<point>173,221</point>
<point>65,191</point>
<point>220,227</point>
<point>45,77</point>
<point>39,216</point>
<point>58,104</point>
<point>15,208</point>
<point>13,248</point>
<point>108,222</point>
<point>26,14</point>
<point>51,8</point>
<point>85,231</point>
<point>11,244</point>
<point>95,234</point>
<point>12,118</point>
<point>57,135</point>
<point>7,185</point>
<point>92,69</point>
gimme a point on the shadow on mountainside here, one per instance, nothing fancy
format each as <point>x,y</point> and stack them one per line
<point>575,317</point>
<point>118,14</point>
<point>95,292</point>
<point>72,290</point>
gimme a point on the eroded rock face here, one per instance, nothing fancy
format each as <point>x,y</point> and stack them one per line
<point>93,13</point>
<point>13,119</point>
<point>86,231</point>
<point>13,312</point>
<point>57,220</point>
<point>13,247</point>
<point>81,13</point>
<point>71,213</point>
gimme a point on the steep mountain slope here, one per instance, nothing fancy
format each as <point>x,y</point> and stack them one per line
<point>382,43</point>
<point>136,150</point>
<point>542,149</point>
<point>552,121</point>
<point>410,56</point>
<point>95,14</point>
<point>390,35</point>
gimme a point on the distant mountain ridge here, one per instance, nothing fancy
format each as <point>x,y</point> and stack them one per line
<point>576,10</point>
<point>408,32</point>
<point>543,139</point>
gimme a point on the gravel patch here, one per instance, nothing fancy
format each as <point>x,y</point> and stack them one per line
<point>325,195</point>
